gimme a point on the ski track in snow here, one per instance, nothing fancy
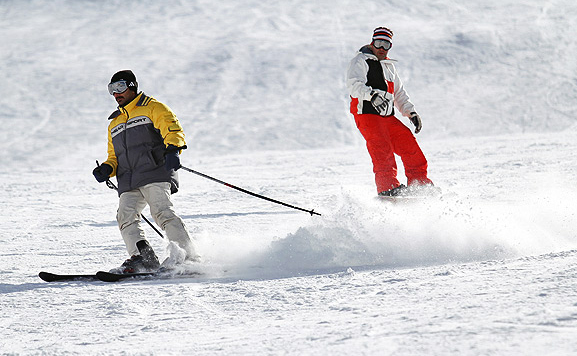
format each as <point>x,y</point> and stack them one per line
<point>489,268</point>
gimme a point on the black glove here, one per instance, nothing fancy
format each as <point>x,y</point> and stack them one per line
<point>382,102</point>
<point>172,158</point>
<point>102,172</point>
<point>416,120</point>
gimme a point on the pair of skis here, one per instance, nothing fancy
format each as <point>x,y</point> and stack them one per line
<point>111,277</point>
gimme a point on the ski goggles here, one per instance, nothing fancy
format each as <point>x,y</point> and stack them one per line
<point>384,44</point>
<point>117,87</point>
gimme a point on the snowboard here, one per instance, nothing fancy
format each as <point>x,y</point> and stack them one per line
<point>402,198</point>
<point>413,194</point>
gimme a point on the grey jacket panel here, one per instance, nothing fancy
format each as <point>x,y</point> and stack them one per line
<point>139,149</point>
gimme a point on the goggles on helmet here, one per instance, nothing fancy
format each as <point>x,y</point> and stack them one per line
<point>117,87</point>
<point>384,44</point>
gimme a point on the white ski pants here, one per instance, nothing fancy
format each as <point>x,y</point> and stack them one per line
<point>157,196</point>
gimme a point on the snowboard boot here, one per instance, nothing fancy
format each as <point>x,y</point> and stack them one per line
<point>145,262</point>
<point>394,192</point>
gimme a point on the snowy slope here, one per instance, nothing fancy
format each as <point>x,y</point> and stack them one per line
<point>259,87</point>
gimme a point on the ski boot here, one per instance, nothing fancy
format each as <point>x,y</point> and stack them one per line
<point>146,261</point>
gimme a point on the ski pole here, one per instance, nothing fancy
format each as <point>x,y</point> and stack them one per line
<point>111,185</point>
<point>312,212</point>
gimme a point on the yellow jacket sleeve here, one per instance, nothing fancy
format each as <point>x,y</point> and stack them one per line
<point>168,125</point>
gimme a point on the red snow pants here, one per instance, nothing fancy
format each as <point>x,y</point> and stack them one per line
<point>385,137</point>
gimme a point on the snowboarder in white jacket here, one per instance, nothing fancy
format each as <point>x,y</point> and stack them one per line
<point>376,90</point>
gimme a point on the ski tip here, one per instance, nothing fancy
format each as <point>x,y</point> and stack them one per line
<point>53,277</point>
<point>46,276</point>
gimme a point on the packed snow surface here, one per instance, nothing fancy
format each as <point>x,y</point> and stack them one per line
<point>488,268</point>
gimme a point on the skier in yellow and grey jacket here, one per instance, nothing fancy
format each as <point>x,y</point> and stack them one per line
<point>145,139</point>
